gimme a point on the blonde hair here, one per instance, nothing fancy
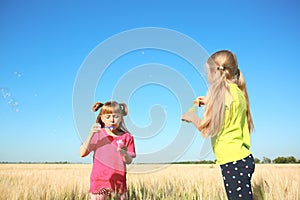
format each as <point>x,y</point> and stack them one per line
<point>221,66</point>
<point>111,107</point>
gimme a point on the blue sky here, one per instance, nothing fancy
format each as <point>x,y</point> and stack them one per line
<point>44,46</point>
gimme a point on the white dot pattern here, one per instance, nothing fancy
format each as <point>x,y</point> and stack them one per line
<point>237,178</point>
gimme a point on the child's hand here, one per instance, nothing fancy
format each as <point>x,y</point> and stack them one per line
<point>95,128</point>
<point>122,149</point>
<point>189,117</point>
<point>200,101</point>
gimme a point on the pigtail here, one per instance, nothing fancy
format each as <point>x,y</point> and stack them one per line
<point>96,106</point>
<point>123,112</point>
<point>243,88</point>
<point>123,109</point>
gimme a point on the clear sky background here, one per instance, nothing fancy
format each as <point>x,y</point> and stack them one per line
<point>43,45</point>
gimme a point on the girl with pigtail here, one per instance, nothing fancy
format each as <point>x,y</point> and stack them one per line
<point>113,148</point>
<point>227,120</point>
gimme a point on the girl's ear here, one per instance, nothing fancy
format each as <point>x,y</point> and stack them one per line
<point>124,109</point>
<point>96,106</point>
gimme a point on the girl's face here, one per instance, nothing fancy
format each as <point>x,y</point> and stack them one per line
<point>113,119</point>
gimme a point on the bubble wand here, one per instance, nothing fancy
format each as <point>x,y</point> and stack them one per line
<point>193,108</point>
<point>110,127</point>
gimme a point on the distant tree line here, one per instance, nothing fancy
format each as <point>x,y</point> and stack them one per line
<point>196,162</point>
<point>28,162</point>
<point>265,160</point>
<point>280,159</point>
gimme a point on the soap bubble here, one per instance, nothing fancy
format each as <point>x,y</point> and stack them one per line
<point>5,93</point>
<point>10,101</point>
<point>18,74</point>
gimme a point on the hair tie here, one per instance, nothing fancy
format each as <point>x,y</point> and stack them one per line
<point>236,76</point>
<point>122,107</point>
<point>221,68</point>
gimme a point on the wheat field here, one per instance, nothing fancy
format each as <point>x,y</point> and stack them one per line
<point>147,182</point>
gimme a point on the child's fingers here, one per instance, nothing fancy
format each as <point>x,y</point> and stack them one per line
<point>200,101</point>
<point>184,120</point>
<point>122,149</point>
<point>185,117</point>
<point>96,127</point>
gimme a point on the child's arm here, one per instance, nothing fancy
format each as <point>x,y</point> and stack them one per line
<point>126,157</point>
<point>191,117</point>
<point>84,146</point>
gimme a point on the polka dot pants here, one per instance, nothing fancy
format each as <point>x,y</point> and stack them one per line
<point>237,178</point>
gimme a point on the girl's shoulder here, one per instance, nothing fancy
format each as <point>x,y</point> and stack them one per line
<point>235,91</point>
<point>127,134</point>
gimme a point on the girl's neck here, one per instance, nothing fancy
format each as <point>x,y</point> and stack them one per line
<point>229,81</point>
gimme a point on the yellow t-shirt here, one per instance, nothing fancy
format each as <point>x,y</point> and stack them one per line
<point>232,143</point>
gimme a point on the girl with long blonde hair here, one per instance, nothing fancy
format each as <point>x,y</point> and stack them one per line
<point>227,120</point>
